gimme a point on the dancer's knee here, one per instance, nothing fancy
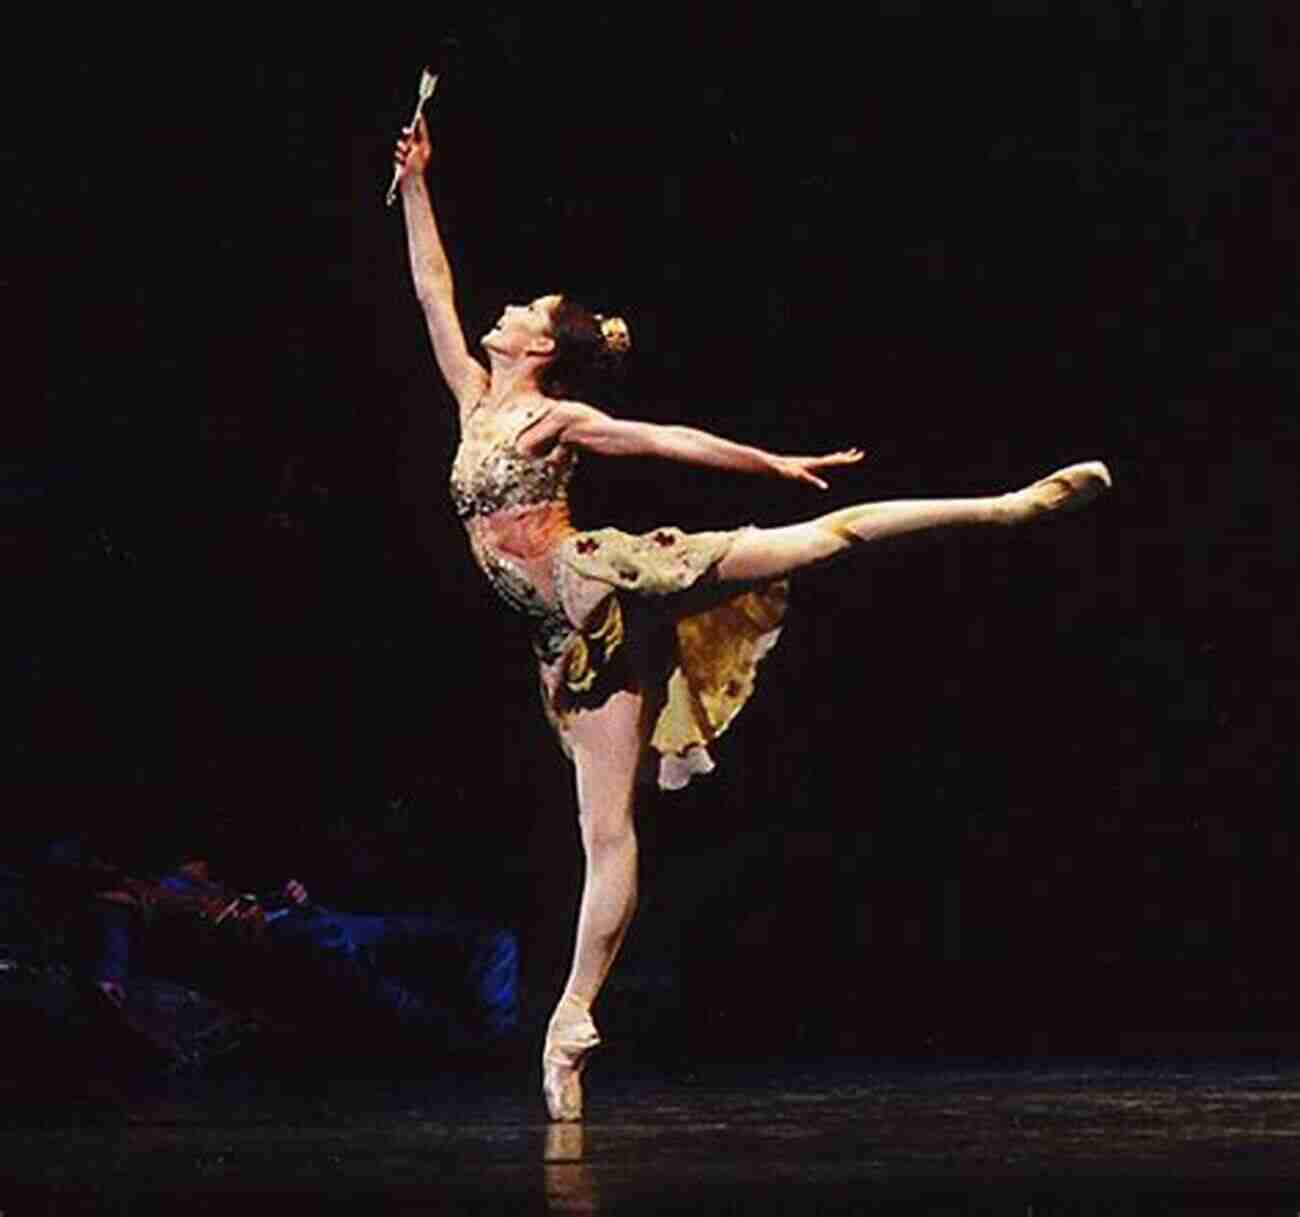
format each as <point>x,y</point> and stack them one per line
<point>824,538</point>
<point>607,835</point>
<point>845,528</point>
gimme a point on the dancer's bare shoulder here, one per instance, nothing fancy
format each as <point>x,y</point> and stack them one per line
<point>545,421</point>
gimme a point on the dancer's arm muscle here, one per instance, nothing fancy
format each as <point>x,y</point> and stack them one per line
<point>583,426</point>
<point>431,275</point>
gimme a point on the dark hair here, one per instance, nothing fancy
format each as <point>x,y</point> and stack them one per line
<point>584,362</point>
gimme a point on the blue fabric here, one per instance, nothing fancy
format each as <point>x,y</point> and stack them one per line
<point>449,976</point>
<point>112,943</point>
<point>353,950</point>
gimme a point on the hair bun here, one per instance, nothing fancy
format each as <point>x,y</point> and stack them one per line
<point>615,332</point>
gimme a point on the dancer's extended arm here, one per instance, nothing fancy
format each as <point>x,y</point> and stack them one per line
<point>583,426</point>
<point>431,273</point>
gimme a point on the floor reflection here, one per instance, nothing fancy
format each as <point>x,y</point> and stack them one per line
<point>1070,1139</point>
<point>570,1186</point>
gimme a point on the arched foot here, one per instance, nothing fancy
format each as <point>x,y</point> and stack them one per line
<point>1066,489</point>
<point>570,1039</point>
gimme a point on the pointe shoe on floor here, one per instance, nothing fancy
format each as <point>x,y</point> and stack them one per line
<point>564,1056</point>
<point>1070,487</point>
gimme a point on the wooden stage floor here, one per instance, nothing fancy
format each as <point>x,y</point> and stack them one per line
<point>1027,1139</point>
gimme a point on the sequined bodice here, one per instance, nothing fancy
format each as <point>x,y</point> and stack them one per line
<point>493,486</point>
<point>490,474</point>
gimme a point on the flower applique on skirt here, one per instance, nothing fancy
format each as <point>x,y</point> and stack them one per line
<point>715,651</point>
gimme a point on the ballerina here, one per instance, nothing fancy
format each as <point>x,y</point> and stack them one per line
<point>647,644</point>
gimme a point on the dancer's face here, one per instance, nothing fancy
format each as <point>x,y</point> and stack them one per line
<point>524,329</point>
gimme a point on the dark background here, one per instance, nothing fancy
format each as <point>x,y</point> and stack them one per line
<point>995,792</point>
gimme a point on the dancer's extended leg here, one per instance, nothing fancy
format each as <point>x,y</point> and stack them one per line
<point>607,744</point>
<point>763,553</point>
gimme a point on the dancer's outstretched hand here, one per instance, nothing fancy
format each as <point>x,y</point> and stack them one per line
<point>412,153</point>
<point>801,468</point>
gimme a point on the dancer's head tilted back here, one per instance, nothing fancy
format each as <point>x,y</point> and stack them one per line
<point>589,348</point>
<point>523,331</point>
<point>575,349</point>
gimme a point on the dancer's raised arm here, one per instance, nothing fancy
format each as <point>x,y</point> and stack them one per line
<point>583,426</point>
<point>431,272</point>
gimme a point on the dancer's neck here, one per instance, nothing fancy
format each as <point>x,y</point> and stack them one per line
<point>510,378</point>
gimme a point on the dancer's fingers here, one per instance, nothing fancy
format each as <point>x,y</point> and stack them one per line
<point>800,469</point>
<point>850,457</point>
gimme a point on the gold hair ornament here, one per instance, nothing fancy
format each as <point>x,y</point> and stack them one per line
<point>615,332</point>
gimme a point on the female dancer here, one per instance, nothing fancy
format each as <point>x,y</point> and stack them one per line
<point>647,644</point>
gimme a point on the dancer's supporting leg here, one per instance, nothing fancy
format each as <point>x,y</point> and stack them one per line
<point>763,553</point>
<point>607,743</point>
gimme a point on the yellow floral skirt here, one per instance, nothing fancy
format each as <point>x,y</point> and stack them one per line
<point>625,589</point>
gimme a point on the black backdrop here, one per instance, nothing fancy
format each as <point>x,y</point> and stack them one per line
<point>990,784</point>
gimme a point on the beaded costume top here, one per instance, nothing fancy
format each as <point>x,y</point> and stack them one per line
<point>490,474</point>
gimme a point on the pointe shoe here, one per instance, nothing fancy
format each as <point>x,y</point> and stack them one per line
<point>1067,488</point>
<point>564,1056</point>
